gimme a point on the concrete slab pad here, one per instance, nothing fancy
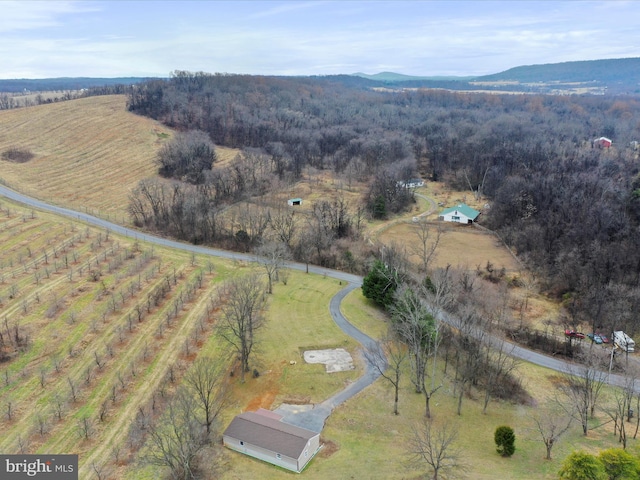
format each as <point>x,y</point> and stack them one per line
<point>335,359</point>
<point>287,409</point>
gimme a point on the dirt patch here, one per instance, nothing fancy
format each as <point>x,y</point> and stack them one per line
<point>328,448</point>
<point>557,380</point>
<point>17,155</point>
<point>297,400</point>
<point>265,400</point>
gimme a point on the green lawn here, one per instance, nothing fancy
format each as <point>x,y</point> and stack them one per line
<point>363,439</point>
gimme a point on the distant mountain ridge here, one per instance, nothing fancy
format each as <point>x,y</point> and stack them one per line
<point>596,77</point>
<point>608,76</point>
<point>622,69</point>
<point>611,70</point>
<point>399,77</point>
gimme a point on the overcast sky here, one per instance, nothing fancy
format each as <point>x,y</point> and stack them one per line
<point>418,37</point>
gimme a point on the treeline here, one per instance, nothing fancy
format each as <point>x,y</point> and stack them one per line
<point>21,85</point>
<point>325,236</point>
<point>16,94</point>
<point>570,210</point>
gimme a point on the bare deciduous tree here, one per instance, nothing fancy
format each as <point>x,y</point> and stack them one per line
<point>23,444</point>
<point>85,427</point>
<point>500,365</point>
<point>388,357</point>
<point>272,256</point>
<point>428,241</point>
<point>551,422</point>
<point>43,376</point>
<point>41,423</point>
<point>187,156</point>
<point>177,437</point>
<point>469,352</point>
<point>73,389</point>
<point>207,378</point>
<point>418,329</point>
<point>101,470</point>
<point>582,387</point>
<point>283,223</point>
<point>58,405</point>
<point>9,409</point>
<point>434,446</point>
<point>242,316</point>
<point>620,408</point>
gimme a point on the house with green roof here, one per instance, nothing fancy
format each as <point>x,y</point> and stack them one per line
<point>461,213</point>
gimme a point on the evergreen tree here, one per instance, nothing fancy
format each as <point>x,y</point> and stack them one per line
<point>619,464</point>
<point>582,466</point>
<point>505,439</point>
<point>380,284</point>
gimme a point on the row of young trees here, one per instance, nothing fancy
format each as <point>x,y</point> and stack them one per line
<point>190,421</point>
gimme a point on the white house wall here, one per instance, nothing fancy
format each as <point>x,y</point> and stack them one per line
<point>313,445</point>
<point>262,454</point>
<point>449,218</point>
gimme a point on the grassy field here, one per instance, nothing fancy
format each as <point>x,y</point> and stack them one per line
<point>88,153</point>
<point>363,439</point>
<point>460,246</point>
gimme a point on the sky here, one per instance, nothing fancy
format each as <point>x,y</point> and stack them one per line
<point>46,39</point>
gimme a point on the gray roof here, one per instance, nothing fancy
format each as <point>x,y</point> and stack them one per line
<point>265,432</point>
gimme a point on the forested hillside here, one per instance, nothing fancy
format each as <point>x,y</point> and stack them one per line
<point>570,210</point>
<point>624,71</point>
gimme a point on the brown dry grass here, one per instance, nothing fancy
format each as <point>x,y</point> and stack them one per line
<point>89,153</point>
<point>460,246</point>
<point>314,186</point>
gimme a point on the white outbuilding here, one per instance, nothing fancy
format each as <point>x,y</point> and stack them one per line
<point>263,435</point>
<point>461,213</point>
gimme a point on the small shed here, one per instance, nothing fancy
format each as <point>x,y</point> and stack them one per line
<point>461,213</point>
<point>263,435</point>
<point>294,201</point>
<point>412,183</point>
<point>602,142</point>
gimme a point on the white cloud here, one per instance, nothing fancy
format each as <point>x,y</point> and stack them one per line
<point>29,15</point>
<point>283,8</point>
<point>66,38</point>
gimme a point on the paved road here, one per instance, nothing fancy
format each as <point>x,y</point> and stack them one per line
<point>315,417</point>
